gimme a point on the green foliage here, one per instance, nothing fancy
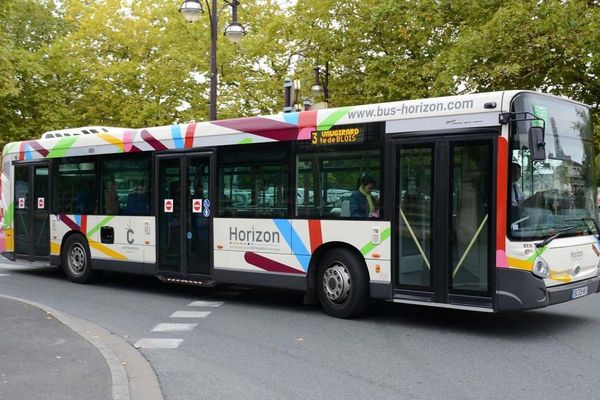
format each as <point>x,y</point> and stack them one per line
<point>27,29</point>
<point>137,63</point>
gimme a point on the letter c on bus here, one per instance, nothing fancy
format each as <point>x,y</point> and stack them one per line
<point>130,236</point>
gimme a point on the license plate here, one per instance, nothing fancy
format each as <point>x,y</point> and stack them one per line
<point>579,292</point>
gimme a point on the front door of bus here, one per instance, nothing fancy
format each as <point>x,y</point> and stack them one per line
<point>444,218</point>
<point>184,213</point>
<point>31,221</point>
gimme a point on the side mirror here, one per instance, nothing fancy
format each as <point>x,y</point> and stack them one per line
<point>537,145</point>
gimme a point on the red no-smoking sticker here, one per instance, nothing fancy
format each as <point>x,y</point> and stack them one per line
<point>197,205</point>
<point>168,205</point>
<point>41,203</point>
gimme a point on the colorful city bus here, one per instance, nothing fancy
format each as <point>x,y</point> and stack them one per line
<point>481,202</point>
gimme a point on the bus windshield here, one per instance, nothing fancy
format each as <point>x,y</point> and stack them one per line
<point>560,191</point>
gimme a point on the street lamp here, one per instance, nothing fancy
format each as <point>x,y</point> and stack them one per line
<point>191,10</point>
<point>321,85</point>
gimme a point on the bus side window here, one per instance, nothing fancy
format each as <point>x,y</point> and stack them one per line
<point>75,188</point>
<point>254,184</point>
<point>131,177</point>
<point>329,184</point>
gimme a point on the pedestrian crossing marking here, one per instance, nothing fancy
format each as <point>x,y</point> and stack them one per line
<point>174,327</point>
<point>146,343</point>
<point>190,314</point>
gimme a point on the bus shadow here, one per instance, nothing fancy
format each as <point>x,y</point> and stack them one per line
<point>523,324</point>
<point>147,285</point>
<point>518,324</point>
<point>45,271</point>
<point>514,325</point>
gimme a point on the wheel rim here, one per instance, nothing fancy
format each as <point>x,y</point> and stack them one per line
<point>77,259</point>
<point>337,283</point>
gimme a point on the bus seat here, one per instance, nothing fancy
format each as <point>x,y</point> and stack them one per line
<point>345,209</point>
<point>137,204</point>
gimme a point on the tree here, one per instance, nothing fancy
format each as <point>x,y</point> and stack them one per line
<point>27,28</point>
<point>137,63</point>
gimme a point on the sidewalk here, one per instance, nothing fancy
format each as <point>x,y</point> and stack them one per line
<point>40,358</point>
<point>49,355</point>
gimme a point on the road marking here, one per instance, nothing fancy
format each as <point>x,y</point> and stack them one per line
<point>206,304</point>
<point>157,343</point>
<point>190,314</point>
<point>4,275</point>
<point>174,327</point>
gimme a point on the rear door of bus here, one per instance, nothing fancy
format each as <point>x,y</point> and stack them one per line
<point>31,220</point>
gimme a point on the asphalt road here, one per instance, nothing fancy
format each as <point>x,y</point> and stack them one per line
<point>244,343</point>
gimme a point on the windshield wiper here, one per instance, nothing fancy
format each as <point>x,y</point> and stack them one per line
<point>587,219</point>
<point>557,234</point>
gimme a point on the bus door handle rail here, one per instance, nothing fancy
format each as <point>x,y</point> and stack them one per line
<point>414,237</point>
<point>473,240</point>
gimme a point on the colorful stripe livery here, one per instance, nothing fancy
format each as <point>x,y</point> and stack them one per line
<point>296,126</point>
<point>132,241</point>
<point>286,246</point>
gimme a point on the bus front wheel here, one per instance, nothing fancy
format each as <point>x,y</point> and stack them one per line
<point>76,260</point>
<point>342,284</point>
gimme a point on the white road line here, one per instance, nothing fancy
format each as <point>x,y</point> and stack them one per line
<point>174,327</point>
<point>190,314</point>
<point>157,343</point>
<point>4,275</point>
<point>206,304</point>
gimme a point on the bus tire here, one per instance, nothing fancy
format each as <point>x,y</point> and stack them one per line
<point>342,284</point>
<point>76,260</point>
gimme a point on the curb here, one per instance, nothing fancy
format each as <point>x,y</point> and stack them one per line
<point>132,376</point>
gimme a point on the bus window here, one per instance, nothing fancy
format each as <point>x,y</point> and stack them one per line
<point>254,184</point>
<point>125,186</point>
<point>328,184</point>
<point>75,189</point>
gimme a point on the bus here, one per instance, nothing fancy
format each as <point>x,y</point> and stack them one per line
<point>482,202</point>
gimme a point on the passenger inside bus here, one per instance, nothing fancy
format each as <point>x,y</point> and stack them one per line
<point>111,199</point>
<point>84,200</point>
<point>362,202</point>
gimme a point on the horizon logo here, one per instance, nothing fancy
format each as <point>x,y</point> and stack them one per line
<point>253,235</point>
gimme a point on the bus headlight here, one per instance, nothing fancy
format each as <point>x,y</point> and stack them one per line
<point>540,268</point>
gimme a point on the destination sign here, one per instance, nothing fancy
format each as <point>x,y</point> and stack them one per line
<point>337,136</point>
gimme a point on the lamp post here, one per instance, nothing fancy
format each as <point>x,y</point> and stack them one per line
<point>321,85</point>
<point>191,11</point>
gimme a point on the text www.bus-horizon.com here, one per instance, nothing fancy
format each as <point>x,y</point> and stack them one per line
<point>411,109</point>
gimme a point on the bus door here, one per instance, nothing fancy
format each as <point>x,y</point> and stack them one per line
<point>444,220</point>
<point>31,219</point>
<point>184,213</point>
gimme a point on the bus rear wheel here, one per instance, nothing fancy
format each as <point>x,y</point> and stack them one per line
<point>76,260</point>
<point>342,284</point>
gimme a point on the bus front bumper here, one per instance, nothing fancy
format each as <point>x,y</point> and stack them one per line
<point>572,291</point>
<point>521,290</point>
